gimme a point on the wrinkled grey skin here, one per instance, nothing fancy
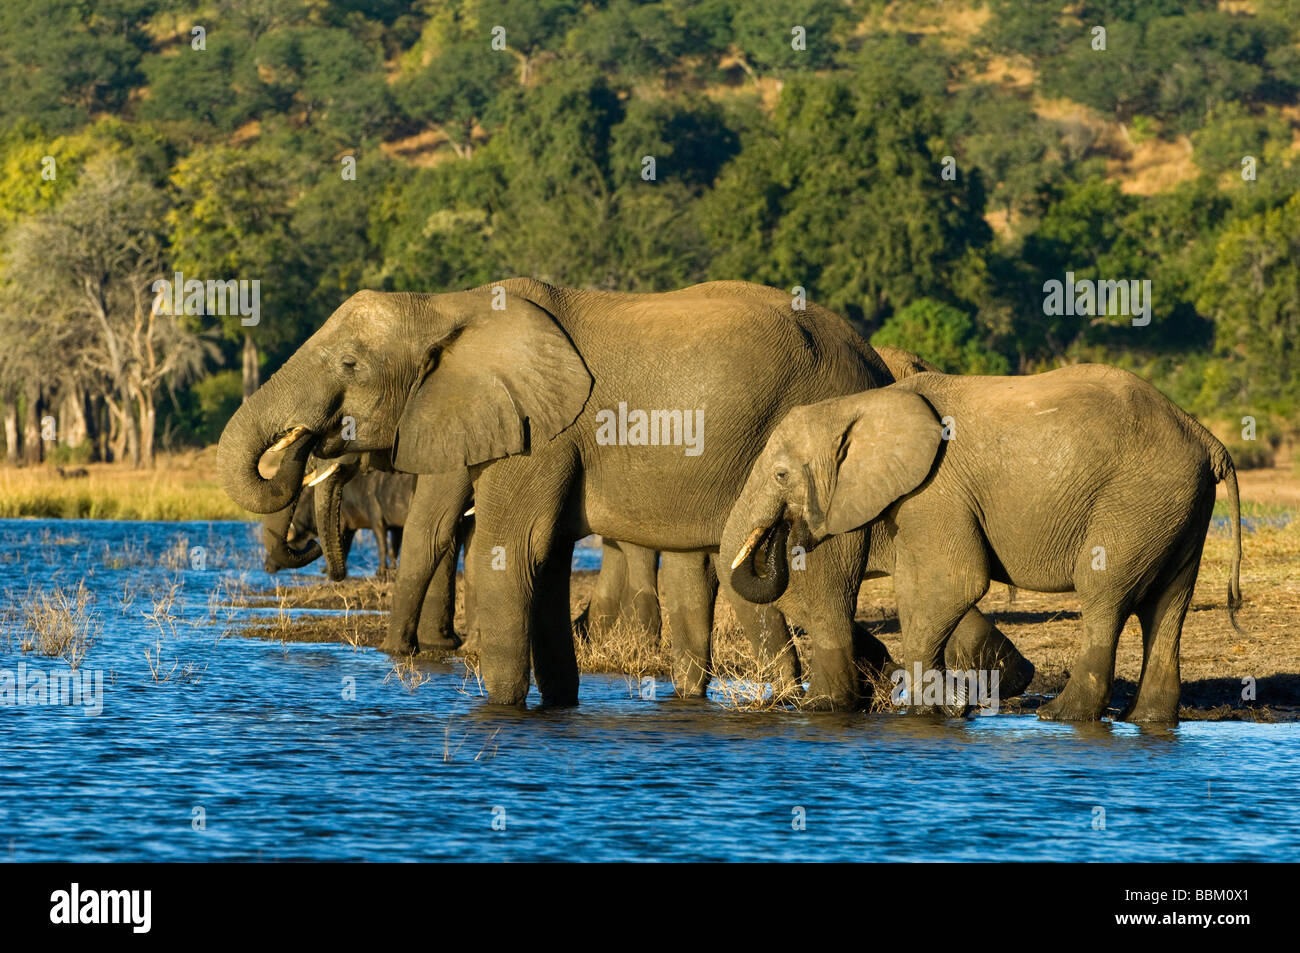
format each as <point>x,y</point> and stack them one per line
<point>494,393</point>
<point>626,589</point>
<point>1084,479</point>
<point>356,496</point>
<point>351,498</point>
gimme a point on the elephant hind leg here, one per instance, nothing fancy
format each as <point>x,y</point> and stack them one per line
<point>1161,614</point>
<point>1092,676</point>
<point>689,590</point>
<point>977,644</point>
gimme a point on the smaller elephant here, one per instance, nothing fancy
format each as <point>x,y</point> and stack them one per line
<point>1084,479</point>
<point>627,589</point>
<point>366,499</point>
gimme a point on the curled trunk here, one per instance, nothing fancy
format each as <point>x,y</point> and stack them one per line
<point>279,554</point>
<point>249,434</point>
<point>769,584</point>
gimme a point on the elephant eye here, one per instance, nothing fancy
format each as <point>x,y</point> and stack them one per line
<point>781,474</point>
<point>350,362</point>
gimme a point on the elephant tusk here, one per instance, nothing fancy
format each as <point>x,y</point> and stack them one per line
<point>322,475</point>
<point>747,550</point>
<point>468,512</point>
<point>290,438</point>
<point>307,478</point>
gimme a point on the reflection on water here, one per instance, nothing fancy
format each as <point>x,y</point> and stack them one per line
<point>306,751</point>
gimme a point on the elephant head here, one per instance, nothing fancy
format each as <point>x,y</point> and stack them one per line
<point>828,468</point>
<point>444,381</point>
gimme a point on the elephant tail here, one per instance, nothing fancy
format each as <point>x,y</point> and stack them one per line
<point>1224,471</point>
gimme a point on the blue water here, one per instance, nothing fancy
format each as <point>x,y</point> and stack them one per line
<point>260,750</point>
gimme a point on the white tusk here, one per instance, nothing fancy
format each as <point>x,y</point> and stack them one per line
<point>748,548</point>
<point>289,438</point>
<point>323,474</point>
<point>468,512</point>
<point>306,480</point>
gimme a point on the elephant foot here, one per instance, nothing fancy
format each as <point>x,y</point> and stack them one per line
<point>813,700</point>
<point>1064,707</point>
<point>449,642</point>
<point>1139,714</point>
<point>564,699</point>
<point>399,643</point>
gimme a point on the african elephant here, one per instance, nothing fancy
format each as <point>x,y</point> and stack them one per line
<point>348,496</point>
<point>1084,479</point>
<point>627,588</point>
<point>563,413</point>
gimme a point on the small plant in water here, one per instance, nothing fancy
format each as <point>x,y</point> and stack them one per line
<point>405,670</point>
<point>59,625</point>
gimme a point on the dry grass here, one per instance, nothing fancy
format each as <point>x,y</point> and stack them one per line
<point>59,624</point>
<point>180,487</point>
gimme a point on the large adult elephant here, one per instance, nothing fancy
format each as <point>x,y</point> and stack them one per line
<point>540,401</point>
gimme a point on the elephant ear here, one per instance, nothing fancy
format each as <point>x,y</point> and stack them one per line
<point>505,382</point>
<point>885,453</point>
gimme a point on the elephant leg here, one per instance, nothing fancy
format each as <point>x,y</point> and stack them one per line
<point>688,590</point>
<point>436,629</point>
<point>977,644</point>
<point>465,536</point>
<point>1162,613</point>
<point>395,543</point>
<point>603,607</point>
<point>822,600</point>
<point>640,602</point>
<point>348,536</point>
<point>1087,693</point>
<point>768,633</point>
<point>519,502</point>
<point>933,596</point>
<point>555,665</point>
<point>381,540</point>
<point>436,505</point>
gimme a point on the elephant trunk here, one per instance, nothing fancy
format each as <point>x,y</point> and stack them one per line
<point>280,555</point>
<point>770,584</point>
<point>329,521</point>
<point>253,430</point>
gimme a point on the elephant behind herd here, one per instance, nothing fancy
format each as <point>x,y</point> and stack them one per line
<point>503,401</point>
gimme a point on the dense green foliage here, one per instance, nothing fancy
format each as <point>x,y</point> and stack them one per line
<point>894,172</point>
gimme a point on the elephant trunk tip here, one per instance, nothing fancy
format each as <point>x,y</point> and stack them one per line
<point>769,544</point>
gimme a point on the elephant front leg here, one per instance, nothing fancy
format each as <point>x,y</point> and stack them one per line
<point>436,629</point>
<point>435,508</point>
<point>932,601</point>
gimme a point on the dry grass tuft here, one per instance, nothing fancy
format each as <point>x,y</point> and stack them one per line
<point>59,624</point>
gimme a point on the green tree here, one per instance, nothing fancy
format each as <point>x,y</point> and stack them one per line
<point>1252,292</point>
<point>943,335</point>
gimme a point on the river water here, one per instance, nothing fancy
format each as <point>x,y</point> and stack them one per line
<point>255,750</point>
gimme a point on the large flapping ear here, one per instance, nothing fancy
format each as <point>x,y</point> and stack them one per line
<point>886,452</point>
<point>504,382</point>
